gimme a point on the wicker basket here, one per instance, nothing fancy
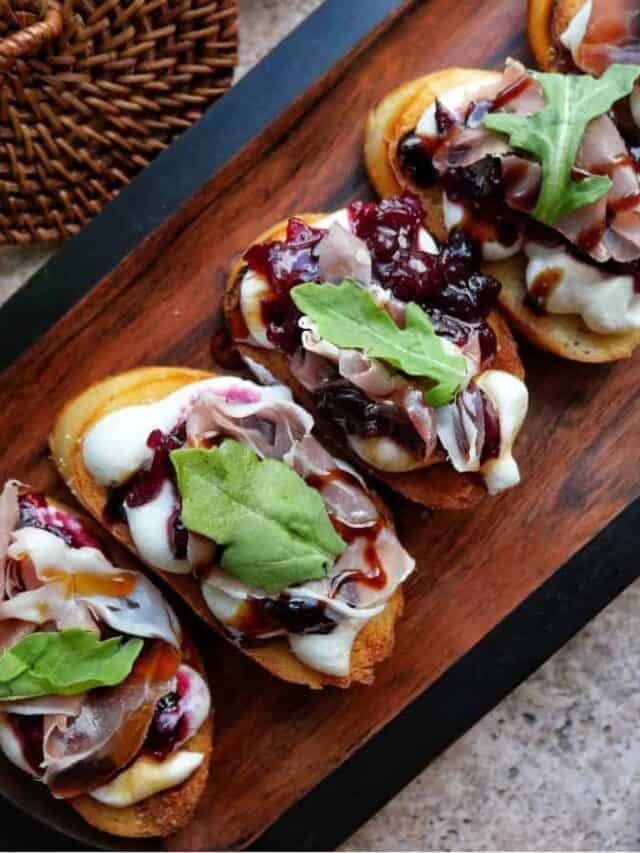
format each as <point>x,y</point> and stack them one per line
<point>91,91</point>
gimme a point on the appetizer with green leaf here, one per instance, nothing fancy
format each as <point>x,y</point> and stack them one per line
<point>102,698</point>
<point>539,171</point>
<point>391,341</point>
<point>220,485</point>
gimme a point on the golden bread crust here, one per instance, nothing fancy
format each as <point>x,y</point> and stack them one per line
<point>145,385</point>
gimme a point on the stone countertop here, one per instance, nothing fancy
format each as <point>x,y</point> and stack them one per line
<point>557,764</point>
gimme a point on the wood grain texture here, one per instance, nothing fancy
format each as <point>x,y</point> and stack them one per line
<point>579,450</point>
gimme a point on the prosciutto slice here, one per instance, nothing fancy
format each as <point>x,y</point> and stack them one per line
<point>612,35</point>
<point>461,430</point>
<point>343,255</point>
<point>140,612</point>
<point>270,424</point>
<point>376,380</point>
<point>345,497</point>
<point>70,706</point>
<point>88,751</point>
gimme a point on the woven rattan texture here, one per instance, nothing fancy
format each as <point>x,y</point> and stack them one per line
<point>82,111</point>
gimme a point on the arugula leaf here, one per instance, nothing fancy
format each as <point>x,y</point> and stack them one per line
<point>347,316</point>
<point>64,663</point>
<point>275,528</point>
<point>554,134</point>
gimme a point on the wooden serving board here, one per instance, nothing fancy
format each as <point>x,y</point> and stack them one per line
<point>579,451</point>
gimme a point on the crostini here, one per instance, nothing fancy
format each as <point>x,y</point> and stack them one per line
<point>102,696</point>
<point>541,176</point>
<point>584,35</point>
<point>217,484</point>
<point>391,342</point>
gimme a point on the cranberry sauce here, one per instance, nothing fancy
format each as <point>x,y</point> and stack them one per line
<point>447,285</point>
<point>285,263</point>
<point>260,618</point>
<point>346,405</point>
<point>492,436</point>
<point>170,724</point>
<point>36,512</point>
<point>415,158</point>
<point>145,485</point>
<point>480,187</point>
<point>29,731</point>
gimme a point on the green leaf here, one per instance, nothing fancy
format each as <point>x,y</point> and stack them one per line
<point>274,527</point>
<point>347,316</point>
<point>64,663</point>
<point>554,134</point>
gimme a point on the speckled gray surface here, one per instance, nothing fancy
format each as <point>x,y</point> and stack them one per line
<point>557,764</point>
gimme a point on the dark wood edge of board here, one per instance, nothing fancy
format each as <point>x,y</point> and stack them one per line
<point>502,659</point>
<point>507,655</point>
<point>310,58</point>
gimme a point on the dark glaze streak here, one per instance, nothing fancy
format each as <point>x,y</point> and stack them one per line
<point>543,286</point>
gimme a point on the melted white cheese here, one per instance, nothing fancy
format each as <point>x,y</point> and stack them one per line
<point>608,304</point>
<point>453,100</point>
<point>116,446</point>
<point>328,653</point>
<point>575,32</point>
<point>492,250</point>
<point>384,453</point>
<point>149,528</point>
<point>146,777</point>
<point>510,397</point>
<point>264,376</point>
<point>253,289</point>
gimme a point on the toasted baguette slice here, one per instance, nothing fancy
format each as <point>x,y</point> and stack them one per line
<point>167,811</point>
<point>146,385</point>
<point>170,810</point>
<point>439,485</point>
<point>564,335</point>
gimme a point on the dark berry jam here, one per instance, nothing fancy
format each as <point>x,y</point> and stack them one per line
<point>297,615</point>
<point>356,414</point>
<point>261,618</point>
<point>285,263</point>
<point>36,512</point>
<point>445,119</point>
<point>415,160</point>
<point>388,226</point>
<point>178,534</point>
<point>145,485</point>
<point>481,188</point>
<point>459,332</point>
<point>170,725</point>
<point>281,316</point>
<point>491,446</point>
<point>29,730</point>
<point>446,284</point>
